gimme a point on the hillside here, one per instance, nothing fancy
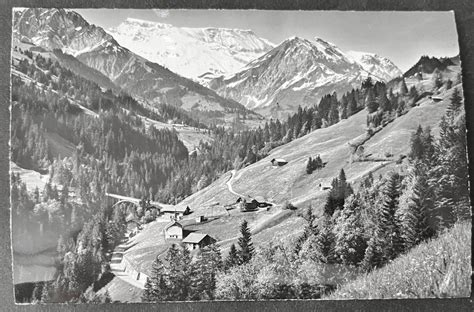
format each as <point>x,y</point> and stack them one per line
<point>290,182</point>
<point>439,268</point>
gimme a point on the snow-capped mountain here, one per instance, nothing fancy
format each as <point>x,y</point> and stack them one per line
<point>195,53</point>
<point>68,31</point>
<point>379,67</point>
<point>297,72</point>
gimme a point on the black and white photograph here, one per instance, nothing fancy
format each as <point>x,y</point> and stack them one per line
<point>170,155</point>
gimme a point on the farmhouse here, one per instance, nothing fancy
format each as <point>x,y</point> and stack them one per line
<point>278,162</point>
<point>200,219</point>
<point>197,241</point>
<point>174,211</point>
<point>174,230</point>
<point>248,205</point>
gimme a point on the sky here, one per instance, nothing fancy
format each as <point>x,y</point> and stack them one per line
<point>403,37</point>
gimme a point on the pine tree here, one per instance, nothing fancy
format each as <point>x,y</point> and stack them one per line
<point>246,251</point>
<point>350,244</point>
<point>174,273</point>
<point>309,166</point>
<point>416,144</point>
<point>416,208</point>
<point>233,258</point>
<point>403,88</point>
<point>388,222</point>
<point>373,256</point>
<point>352,106</point>
<point>155,286</point>
<point>455,102</point>
<point>205,268</point>
<point>324,241</point>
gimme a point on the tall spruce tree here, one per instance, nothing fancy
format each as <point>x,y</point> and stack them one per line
<point>416,213</point>
<point>455,102</point>
<point>232,258</point>
<point>309,166</point>
<point>155,287</point>
<point>246,251</point>
<point>388,221</point>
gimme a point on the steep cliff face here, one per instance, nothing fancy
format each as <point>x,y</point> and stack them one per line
<point>194,53</point>
<point>69,32</point>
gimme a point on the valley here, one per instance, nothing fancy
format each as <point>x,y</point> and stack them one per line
<point>290,182</point>
<point>230,169</point>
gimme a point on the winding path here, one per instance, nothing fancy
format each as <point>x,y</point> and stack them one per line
<point>229,184</point>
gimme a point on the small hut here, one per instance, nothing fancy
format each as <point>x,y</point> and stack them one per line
<point>197,241</point>
<point>278,162</point>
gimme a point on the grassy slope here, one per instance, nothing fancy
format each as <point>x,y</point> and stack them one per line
<point>437,268</point>
<point>288,182</point>
<point>121,291</point>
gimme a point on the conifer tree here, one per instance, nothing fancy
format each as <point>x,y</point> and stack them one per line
<point>232,258</point>
<point>373,256</point>
<point>324,242</point>
<point>416,208</point>
<point>206,267</point>
<point>416,144</point>
<point>388,222</point>
<point>352,106</point>
<point>309,166</point>
<point>455,102</point>
<point>403,88</point>
<point>155,286</point>
<point>246,251</point>
<point>350,244</point>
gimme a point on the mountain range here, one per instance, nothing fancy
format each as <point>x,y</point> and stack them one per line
<point>147,81</point>
<point>237,71</point>
<point>300,72</point>
<point>273,79</point>
<point>191,52</point>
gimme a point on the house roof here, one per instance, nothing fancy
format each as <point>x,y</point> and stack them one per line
<point>173,223</point>
<point>194,238</point>
<point>172,208</point>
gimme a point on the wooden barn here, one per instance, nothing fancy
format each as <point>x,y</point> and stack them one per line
<point>174,230</point>
<point>175,211</point>
<point>278,162</point>
<point>200,219</point>
<point>197,241</point>
<point>248,205</point>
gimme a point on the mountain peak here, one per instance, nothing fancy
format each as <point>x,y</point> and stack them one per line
<point>188,51</point>
<point>146,23</point>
